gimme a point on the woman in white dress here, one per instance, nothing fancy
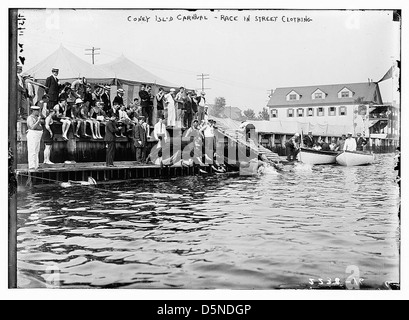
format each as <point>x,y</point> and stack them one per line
<point>170,105</point>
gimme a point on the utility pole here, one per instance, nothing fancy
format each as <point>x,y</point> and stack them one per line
<point>93,53</point>
<point>203,77</point>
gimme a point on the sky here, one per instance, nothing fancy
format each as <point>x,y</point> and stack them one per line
<point>244,59</point>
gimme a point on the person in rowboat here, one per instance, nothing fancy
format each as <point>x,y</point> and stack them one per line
<point>309,140</point>
<point>350,143</point>
<point>360,142</point>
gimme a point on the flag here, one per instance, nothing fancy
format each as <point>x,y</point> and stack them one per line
<point>388,75</point>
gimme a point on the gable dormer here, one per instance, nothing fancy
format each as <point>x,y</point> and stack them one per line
<point>345,93</point>
<point>318,95</point>
<point>293,96</point>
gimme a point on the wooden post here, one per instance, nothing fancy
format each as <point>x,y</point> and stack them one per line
<point>12,214</point>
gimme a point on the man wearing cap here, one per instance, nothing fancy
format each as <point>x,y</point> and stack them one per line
<point>119,100</point>
<point>76,118</point>
<point>145,101</point>
<point>140,138</point>
<point>22,103</point>
<point>350,143</point>
<point>106,99</point>
<point>360,142</point>
<point>201,103</point>
<point>53,87</point>
<point>309,140</point>
<point>34,134</point>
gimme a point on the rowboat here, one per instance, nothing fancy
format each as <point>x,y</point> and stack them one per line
<point>312,156</point>
<point>355,158</point>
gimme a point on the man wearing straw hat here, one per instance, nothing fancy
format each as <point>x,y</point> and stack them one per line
<point>34,134</point>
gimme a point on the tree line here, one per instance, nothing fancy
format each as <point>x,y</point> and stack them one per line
<point>219,107</point>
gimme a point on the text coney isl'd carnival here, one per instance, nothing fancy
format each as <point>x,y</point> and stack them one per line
<point>222,17</point>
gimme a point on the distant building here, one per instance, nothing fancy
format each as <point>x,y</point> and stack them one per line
<point>233,113</point>
<point>333,110</point>
<point>330,111</point>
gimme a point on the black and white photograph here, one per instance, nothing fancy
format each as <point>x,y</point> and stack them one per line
<point>196,148</point>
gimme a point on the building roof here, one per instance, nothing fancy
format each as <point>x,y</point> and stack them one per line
<point>368,91</point>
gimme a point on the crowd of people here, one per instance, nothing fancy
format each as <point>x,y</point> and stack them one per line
<point>85,109</point>
<point>345,143</point>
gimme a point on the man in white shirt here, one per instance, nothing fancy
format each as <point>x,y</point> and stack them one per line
<point>350,143</point>
<point>210,143</point>
<point>159,132</point>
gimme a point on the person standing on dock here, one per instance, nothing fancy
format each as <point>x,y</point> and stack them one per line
<point>145,101</point>
<point>48,137</point>
<point>170,106</point>
<point>180,107</point>
<point>350,143</point>
<point>187,121</point>
<point>159,102</point>
<point>110,130</point>
<point>34,134</point>
<point>140,139</point>
<point>53,87</point>
<point>201,103</point>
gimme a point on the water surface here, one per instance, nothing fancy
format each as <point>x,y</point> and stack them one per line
<point>278,230</point>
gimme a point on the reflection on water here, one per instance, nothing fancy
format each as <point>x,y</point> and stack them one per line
<point>278,230</point>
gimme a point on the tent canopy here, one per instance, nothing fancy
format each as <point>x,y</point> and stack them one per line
<point>70,66</point>
<point>128,72</point>
<point>118,72</point>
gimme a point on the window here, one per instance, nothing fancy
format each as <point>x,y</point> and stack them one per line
<point>318,95</point>
<point>310,112</point>
<point>332,111</point>
<point>290,113</point>
<point>342,111</point>
<point>274,113</point>
<point>293,97</point>
<point>320,112</point>
<point>300,112</point>
<point>345,94</point>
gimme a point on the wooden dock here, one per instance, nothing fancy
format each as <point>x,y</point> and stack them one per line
<point>124,170</point>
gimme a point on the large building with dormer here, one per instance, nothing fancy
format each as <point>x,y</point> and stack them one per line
<point>326,109</point>
<point>333,110</point>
